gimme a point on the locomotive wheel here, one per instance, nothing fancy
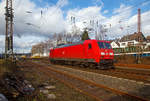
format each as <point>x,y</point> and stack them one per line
<point>86,65</point>
<point>103,67</point>
<point>100,67</point>
<point>92,66</point>
<point>82,65</point>
<point>52,61</point>
<point>61,62</point>
<point>112,67</point>
<point>72,63</point>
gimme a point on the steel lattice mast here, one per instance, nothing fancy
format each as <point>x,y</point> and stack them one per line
<point>9,29</point>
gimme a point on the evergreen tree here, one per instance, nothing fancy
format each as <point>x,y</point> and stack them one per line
<point>85,35</point>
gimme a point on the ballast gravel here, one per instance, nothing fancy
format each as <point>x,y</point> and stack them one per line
<point>129,86</point>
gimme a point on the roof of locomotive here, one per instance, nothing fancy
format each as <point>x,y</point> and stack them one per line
<point>78,43</point>
<point>98,40</point>
<point>72,44</point>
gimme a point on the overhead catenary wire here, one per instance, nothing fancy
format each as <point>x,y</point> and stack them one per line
<point>137,5</point>
<point>121,27</point>
<point>77,16</point>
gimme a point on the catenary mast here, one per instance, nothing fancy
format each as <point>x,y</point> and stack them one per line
<point>9,29</point>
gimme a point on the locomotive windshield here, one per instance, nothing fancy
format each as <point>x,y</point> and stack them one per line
<point>104,45</point>
<point>107,45</point>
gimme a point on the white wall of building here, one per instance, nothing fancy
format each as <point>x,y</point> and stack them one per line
<point>114,44</point>
<point>126,43</point>
<point>147,45</point>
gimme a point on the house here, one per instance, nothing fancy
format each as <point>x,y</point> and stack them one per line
<point>115,44</point>
<point>135,39</point>
<point>139,37</point>
<point>147,45</point>
<point>148,38</point>
<point>131,43</point>
<point>128,43</point>
<point>124,44</point>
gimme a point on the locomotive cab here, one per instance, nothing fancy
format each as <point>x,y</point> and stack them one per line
<point>99,52</point>
<point>106,54</point>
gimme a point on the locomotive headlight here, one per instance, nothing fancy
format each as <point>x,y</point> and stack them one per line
<point>110,53</point>
<point>102,53</point>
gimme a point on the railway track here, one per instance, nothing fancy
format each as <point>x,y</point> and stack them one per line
<point>97,91</point>
<point>127,74</point>
<point>137,75</point>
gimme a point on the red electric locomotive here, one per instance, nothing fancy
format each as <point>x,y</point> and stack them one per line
<point>97,53</point>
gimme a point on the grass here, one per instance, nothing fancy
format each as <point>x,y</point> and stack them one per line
<point>4,67</point>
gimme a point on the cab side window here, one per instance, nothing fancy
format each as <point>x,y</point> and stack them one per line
<point>89,46</point>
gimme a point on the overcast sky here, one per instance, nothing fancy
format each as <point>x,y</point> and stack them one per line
<point>54,16</point>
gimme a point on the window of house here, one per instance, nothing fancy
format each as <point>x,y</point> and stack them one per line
<point>130,43</point>
<point>123,44</point>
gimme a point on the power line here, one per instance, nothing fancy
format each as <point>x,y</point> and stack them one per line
<point>137,5</point>
<point>141,3</point>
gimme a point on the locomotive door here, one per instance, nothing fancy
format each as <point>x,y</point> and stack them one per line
<point>89,51</point>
